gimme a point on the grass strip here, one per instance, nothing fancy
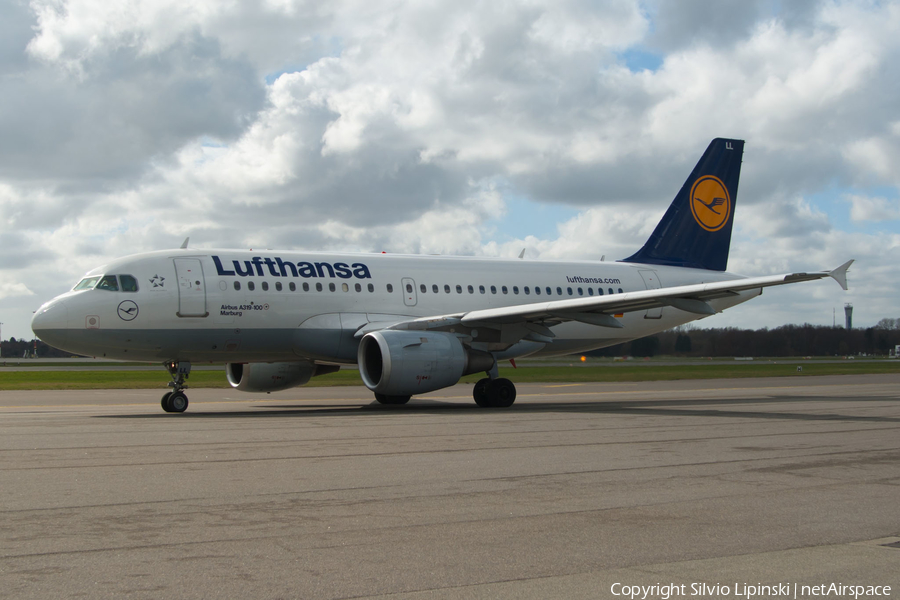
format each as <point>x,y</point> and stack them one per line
<point>128,379</point>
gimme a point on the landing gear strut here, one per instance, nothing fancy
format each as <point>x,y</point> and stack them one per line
<point>494,393</point>
<point>176,400</point>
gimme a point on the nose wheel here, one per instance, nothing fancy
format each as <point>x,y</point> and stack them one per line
<point>176,401</point>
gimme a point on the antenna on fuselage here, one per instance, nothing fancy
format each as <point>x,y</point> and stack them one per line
<point>185,243</point>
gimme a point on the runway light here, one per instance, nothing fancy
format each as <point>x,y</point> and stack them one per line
<point>583,358</point>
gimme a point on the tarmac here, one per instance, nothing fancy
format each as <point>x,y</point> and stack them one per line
<point>705,489</point>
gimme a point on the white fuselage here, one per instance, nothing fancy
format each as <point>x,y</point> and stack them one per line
<point>268,306</point>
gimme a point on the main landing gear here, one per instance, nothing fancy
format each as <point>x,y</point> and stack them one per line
<point>494,393</point>
<point>176,400</point>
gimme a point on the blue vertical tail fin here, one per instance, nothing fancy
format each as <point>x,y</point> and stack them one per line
<point>696,230</point>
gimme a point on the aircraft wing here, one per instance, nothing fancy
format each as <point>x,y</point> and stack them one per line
<point>599,310</point>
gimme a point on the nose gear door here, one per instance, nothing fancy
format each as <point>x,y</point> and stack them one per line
<point>191,288</point>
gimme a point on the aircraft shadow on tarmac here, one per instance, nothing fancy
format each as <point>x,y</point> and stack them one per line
<point>682,407</point>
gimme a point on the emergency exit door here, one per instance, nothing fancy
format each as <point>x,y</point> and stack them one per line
<point>410,298</point>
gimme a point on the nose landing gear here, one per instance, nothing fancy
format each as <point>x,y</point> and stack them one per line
<point>176,400</point>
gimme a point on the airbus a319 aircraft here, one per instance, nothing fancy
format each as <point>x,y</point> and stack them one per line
<point>413,324</point>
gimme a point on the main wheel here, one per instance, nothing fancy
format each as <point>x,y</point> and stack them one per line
<point>501,392</point>
<point>383,399</point>
<point>479,392</point>
<point>177,402</point>
<point>165,401</point>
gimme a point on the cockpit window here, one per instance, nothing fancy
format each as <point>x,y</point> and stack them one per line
<point>108,283</point>
<point>87,283</point>
<point>129,283</point>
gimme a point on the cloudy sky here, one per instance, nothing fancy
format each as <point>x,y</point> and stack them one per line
<point>453,127</point>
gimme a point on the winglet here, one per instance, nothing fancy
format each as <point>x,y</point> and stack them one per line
<point>185,242</point>
<point>840,274</point>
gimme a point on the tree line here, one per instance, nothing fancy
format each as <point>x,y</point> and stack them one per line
<point>788,340</point>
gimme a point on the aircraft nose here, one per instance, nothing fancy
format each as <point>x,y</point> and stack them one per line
<point>50,323</point>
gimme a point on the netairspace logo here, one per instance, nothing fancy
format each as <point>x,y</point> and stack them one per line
<point>749,590</point>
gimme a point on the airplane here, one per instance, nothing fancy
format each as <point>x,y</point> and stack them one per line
<point>412,324</point>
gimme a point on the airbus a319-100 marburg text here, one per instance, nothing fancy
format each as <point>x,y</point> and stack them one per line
<point>413,324</point>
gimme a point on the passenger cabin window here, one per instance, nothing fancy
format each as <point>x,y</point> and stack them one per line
<point>390,288</point>
<point>527,290</point>
<point>549,291</point>
<point>371,288</point>
<point>504,290</point>
<point>516,290</point>
<point>318,287</point>
<point>409,288</point>
<point>237,286</point>
<point>330,287</point>
<point>129,283</point>
<point>292,286</point>
<point>251,286</point>
<point>481,288</point>
<point>459,289</point>
<point>537,290</point>
<point>357,287</point>
<point>580,292</point>
<point>346,288</point>
<point>108,283</point>
<point>471,290</point>
<point>278,286</point>
<point>446,289</point>
<point>434,288</point>
<point>493,289</point>
<point>265,286</point>
<point>421,287</point>
<point>305,287</point>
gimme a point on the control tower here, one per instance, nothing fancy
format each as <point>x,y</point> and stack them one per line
<point>848,315</point>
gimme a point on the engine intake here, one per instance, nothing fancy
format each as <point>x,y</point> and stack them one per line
<point>403,363</point>
<point>273,377</point>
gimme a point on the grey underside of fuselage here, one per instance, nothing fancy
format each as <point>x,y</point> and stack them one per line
<point>248,345</point>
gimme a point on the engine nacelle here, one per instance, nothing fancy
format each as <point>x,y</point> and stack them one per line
<point>272,377</point>
<point>403,363</point>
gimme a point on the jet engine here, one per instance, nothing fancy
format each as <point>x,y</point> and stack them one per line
<point>272,377</point>
<point>404,363</point>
